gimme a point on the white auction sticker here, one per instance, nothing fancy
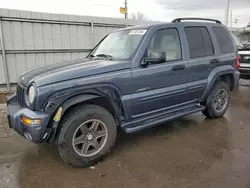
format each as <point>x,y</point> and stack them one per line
<point>137,32</point>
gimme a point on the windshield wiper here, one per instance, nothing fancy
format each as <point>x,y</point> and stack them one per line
<point>105,55</point>
<point>91,55</point>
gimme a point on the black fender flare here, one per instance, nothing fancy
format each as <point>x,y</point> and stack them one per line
<point>214,75</point>
<point>78,94</point>
<point>75,100</point>
<point>64,106</point>
<point>85,97</point>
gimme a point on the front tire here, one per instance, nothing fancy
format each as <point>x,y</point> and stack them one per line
<point>217,101</point>
<point>88,133</point>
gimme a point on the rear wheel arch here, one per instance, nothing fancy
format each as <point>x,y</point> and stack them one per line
<point>228,79</point>
<point>223,73</point>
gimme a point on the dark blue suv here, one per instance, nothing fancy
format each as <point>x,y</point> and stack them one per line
<point>135,78</point>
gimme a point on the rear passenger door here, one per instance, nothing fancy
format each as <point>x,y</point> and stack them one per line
<point>201,60</point>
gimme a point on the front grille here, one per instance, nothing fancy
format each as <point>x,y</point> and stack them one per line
<point>245,58</point>
<point>244,72</point>
<point>20,95</point>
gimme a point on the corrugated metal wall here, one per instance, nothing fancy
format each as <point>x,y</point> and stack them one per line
<point>33,39</point>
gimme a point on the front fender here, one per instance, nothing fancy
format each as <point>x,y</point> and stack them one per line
<point>59,103</point>
<point>61,109</point>
<point>215,74</point>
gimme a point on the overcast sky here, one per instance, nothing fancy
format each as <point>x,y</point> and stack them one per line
<point>157,10</point>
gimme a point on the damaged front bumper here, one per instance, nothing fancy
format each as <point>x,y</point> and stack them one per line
<point>37,133</point>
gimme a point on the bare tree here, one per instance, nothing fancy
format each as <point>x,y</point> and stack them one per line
<point>138,16</point>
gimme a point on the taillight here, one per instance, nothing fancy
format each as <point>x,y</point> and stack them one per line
<point>238,62</point>
<point>239,58</point>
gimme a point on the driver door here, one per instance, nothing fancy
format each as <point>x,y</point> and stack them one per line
<point>161,86</point>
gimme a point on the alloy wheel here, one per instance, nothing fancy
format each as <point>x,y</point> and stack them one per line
<point>90,137</point>
<point>220,100</point>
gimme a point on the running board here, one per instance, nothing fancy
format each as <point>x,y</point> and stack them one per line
<point>131,128</point>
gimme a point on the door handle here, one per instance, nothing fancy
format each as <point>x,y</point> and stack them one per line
<point>213,61</point>
<point>178,67</point>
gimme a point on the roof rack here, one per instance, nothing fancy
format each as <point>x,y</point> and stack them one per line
<point>203,19</point>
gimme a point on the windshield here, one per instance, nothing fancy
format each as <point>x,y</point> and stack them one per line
<point>120,45</point>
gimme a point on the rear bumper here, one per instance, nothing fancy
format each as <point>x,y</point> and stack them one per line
<point>35,133</point>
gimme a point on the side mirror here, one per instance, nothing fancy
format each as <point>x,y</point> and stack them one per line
<point>155,58</point>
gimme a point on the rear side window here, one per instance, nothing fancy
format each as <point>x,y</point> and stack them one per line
<point>224,40</point>
<point>199,42</point>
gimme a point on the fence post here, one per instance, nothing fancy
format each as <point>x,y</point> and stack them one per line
<point>92,34</point>
<point>6,74</point>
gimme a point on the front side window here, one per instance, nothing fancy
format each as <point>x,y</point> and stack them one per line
<point>120,45</point>
<point>167,41</point>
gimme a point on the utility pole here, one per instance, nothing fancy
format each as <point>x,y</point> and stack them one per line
<point>126,8</point>
<point>231,18</point>
<point>226,12</point>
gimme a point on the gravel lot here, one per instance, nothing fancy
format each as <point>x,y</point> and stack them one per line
<point>188,152</point>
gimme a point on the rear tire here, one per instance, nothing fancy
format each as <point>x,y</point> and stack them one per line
<point>217,101</point>
<point>88,134</point>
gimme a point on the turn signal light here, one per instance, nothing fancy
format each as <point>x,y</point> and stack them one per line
<point>29,121</point>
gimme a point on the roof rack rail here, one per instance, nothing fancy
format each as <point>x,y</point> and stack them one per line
<point>203,19</point>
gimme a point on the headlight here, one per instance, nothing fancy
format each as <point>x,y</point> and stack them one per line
<point>32,94</point>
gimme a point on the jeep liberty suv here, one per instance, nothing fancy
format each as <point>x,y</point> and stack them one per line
<point>135,78</point>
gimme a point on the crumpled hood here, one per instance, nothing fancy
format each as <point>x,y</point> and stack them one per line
<point>71,70</point>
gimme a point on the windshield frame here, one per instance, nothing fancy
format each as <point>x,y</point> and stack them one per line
<point>114,58</point>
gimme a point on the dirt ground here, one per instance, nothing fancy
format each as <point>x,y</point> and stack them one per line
<point>190,152</point>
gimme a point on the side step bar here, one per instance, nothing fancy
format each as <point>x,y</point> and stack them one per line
<point>158,120</point>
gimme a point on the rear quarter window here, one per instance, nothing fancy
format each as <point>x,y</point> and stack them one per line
<point>224,40</point>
